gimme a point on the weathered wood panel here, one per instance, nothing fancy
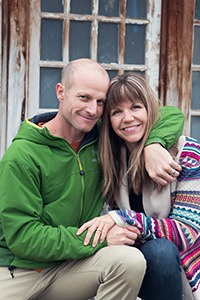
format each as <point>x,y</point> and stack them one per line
<point>0,70</point>
<point>176,55</point>
<point>15,15</point>
<point>4,60</point>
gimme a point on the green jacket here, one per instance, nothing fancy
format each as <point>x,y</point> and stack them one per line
<point>47,191</point>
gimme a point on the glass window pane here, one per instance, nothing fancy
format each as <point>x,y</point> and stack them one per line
<point>79,40</point>
<point>136,9</point>
<point>54,6</point>
<point>51,39</point>
<point>197,10</point>
<point>108,43</point>
<point>109,8</point>
<point>196,54</point>
<point>49,77</point>
<point>81,7</point>
<point>195,90</point>
<point>112,73</point>
<point>195,125</point>
<point>135,44</point>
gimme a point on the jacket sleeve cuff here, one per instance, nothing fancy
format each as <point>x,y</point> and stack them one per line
<point>116,218</point>
<point>156,140</point>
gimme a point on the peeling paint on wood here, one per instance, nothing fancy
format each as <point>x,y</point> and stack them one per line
<point>16,42</point>
<point>153,44</point>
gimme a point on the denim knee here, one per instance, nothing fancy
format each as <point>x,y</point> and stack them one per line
<point>162,255</point>
<point>163,270</point>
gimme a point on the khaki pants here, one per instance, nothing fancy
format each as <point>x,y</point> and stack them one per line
<point>114,272</point>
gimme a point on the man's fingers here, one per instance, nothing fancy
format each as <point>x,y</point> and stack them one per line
<point>133,229</point>
<point>175,166</point>
<point>162,181</point>
<point>165,177</point>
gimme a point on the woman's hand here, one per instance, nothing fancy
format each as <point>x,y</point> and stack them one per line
<point>160,165</point>
<point>100,225</point>
<point>105,227</point>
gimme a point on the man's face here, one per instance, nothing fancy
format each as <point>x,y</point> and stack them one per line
<point>83,103</point>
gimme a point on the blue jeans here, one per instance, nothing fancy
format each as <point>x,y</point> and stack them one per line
<point>162,280</point>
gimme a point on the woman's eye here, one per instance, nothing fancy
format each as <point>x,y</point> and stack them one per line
<point>114,112</point>
<point>137,106</point>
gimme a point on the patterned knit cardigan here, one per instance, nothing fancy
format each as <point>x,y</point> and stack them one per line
<point>173,213</point>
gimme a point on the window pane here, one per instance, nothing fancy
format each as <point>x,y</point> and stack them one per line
<point>136,9</point>
<point>79,39</point>
<point>195,90</point>
<point>109,8</point>
<point>135,44</point>
<point>195,125</point>
<point>49,77</point>
<point>197,10</point>
<point>111,73</point>
<point>196,54</point>
<point>81,7</point>
<point>51,39</point>
<point>108,43</point>
<point>52,6</point>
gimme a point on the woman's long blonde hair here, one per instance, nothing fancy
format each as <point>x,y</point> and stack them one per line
<point>132,87</point>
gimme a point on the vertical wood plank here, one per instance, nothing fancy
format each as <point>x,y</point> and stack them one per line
<point>176,55</point>
<point>152,55</point>
<point>17,44</point>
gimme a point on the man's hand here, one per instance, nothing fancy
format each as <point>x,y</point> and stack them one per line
<point>122,235</point>
<point>160,165</point>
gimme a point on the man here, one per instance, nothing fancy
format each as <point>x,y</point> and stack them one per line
<point>50,185</point>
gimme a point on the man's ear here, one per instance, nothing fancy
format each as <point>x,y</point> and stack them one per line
<point>60,91</point>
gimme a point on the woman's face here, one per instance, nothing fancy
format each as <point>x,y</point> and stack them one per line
<point>129,121</point>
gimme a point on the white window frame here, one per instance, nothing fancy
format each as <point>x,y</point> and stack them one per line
<point>151,66</point>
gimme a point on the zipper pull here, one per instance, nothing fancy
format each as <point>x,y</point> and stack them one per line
<point>11,269</point>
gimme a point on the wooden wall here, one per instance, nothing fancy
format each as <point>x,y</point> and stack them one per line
<point>176,55</point>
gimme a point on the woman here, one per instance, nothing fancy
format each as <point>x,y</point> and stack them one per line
<point>171,212</point>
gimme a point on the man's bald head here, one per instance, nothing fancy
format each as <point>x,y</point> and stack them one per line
<point>78,65</point>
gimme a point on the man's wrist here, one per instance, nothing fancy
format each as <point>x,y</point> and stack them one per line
<point>156,140</point>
